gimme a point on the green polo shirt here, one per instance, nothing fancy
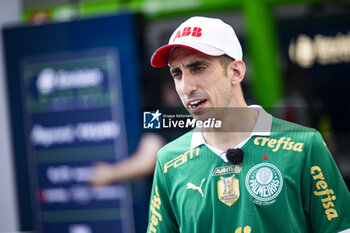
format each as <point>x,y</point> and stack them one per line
<point>287,182</point>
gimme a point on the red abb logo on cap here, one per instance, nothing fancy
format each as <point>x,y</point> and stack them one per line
<point>188,31</point>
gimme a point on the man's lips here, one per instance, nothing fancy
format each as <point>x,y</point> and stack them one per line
<point>195,105</point>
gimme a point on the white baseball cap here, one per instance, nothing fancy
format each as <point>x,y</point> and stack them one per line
<point>209,36</point>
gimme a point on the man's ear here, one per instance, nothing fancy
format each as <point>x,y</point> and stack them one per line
<point>236,71</point>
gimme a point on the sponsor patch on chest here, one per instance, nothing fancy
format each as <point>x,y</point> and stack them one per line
<point>282,143</point>
<point>228,190</point>
<point>219,171</point>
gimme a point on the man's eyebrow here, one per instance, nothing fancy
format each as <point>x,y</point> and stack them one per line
<point>191,64</point>
<point>196,63</point>
<point>174,70</point>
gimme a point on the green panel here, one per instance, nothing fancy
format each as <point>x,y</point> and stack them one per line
<point>98,8</point>
<point>156,9</point>
<point>281,2</point>
<point>263,51</point>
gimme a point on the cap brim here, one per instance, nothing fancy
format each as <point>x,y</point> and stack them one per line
<point>160,57</point>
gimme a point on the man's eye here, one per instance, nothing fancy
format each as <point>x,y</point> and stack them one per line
<point>176,75</point>
<point>198,68</point>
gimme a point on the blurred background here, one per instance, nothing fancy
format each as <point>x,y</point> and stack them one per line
<point>75,79</point>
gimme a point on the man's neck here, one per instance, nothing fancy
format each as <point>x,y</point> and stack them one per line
<point>236,127</point>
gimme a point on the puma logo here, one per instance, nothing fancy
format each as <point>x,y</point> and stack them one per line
<point>194,187</point>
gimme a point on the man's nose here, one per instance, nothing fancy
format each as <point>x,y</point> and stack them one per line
<point>189,83</point>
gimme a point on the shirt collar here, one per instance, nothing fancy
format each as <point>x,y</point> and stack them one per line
<point>262,127</point>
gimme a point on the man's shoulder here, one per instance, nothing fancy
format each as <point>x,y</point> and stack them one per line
<point>286,135</point>
<point>280,125</point>
<point>176,147</point>
<point>297,132</point>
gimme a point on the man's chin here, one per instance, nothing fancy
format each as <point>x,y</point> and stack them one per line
<point>201,115</point>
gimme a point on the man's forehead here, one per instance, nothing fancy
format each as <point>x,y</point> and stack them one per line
<point>184,56</point>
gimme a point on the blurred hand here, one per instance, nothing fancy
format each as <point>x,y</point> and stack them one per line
<point>103,174</point>
<point>139,164</point>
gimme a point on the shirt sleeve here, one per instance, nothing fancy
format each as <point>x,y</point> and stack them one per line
<point>326,197</point>
<point>161,215</point>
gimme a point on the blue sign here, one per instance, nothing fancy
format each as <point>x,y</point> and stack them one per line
<point>74,91</point>
<point>74,116</point>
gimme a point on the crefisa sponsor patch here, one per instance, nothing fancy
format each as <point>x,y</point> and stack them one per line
<point>264,182</point>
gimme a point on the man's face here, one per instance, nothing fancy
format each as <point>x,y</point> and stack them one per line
<point>201,82</point>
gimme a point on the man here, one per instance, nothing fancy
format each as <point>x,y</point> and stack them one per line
<point>287,181</point>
